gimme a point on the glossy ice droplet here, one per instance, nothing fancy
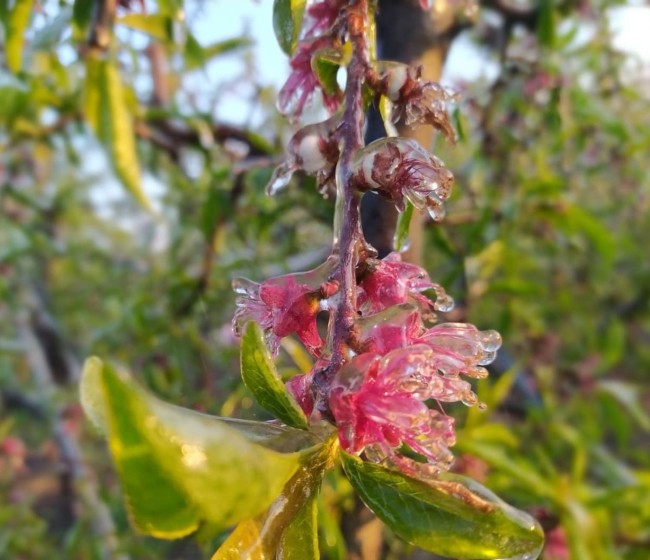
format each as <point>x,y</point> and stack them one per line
<point>444,302</point>
<point>436,211</point>
<point>490,340</point>
<point>245,287</point>
<point>487,358</point>
<point>281,176</point>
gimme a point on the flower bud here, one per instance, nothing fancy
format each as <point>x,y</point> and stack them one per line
<point>399,169</point>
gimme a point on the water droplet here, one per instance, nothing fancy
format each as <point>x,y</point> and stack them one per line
<point>490,340</point>
<point>436,211</point>
<point>444,303</point>
<point>487,358</point>
<point>281,176</point>
<point>245,287</point>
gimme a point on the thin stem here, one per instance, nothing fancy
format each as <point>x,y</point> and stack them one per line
<point>350,238</point>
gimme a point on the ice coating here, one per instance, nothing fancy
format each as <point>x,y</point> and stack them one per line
<point>390,281</point>
<point>284,305</point>
<point>312,149</point>
<point>415,100</point>
<point>400,170</point>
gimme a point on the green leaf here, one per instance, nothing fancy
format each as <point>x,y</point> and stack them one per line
<point>546,23</point>
<point>108,117</point>
<point>82,12</point>
<point>287,22</point>
<point>402,229</point>
<point>262,379</point>
<point>180,468</point>
<point>451,516</point>
<point>155,25</point>
<point>629,397</point>
<point>16,25</point>
<point>288,529</point>
<point>199,56</point>
<point>325,63</point>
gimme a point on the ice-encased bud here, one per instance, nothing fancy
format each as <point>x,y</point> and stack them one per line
<point>313,149</point>
<point>415,100</point>
<point>399,169</point>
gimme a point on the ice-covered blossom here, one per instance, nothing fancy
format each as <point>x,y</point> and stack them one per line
<point>399,169</point>
<point>390,281</point>
<point>414,99</point>
<point>378,401</point>
<point>284,305</point>
<point>378,404</point>
<point>313,149</point>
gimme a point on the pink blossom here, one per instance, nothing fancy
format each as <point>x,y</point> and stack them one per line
<point>300,387</point>
<point>399,169</point>
<point>321,16</point>
<point>390,281</point>
<point>303,82</point>
<point>286,305</point>
<point>281,306</point>
<point>378,406</point>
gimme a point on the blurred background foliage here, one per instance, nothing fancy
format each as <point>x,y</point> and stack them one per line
<point>127,206</point>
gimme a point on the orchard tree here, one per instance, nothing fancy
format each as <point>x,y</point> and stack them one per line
<point>373,383</point>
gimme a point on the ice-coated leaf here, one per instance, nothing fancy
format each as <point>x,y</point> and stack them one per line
<point>326,63</point>
<point>180,468</point>
<point>451,516</point>
<point>288,529</point>
<point>402,229</point>
<point>108,116</point>
<point>15,26</point>
<point>262,379</point>
<point>287,21</point>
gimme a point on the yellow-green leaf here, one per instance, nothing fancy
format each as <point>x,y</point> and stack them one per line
<point>179,468</point>
<point>108,117</point>
<point>15,26</point>
<point>288,529</point>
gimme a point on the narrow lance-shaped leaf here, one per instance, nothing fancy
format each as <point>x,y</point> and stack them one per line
<point>15,26</point>
<point>262,379</point>
<point>288,529</point>
<point>158,26</point>
<point>402,229</point>
<point>451,516</point>
<point>108,116</point>
<point>179,468</point>
<point>287,21</point>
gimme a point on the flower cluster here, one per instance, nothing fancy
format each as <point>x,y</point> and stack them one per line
<point>386,366</point>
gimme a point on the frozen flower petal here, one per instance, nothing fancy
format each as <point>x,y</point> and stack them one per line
<point>415,100</point>
<point>284,305</point>
<point>390,282</point>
